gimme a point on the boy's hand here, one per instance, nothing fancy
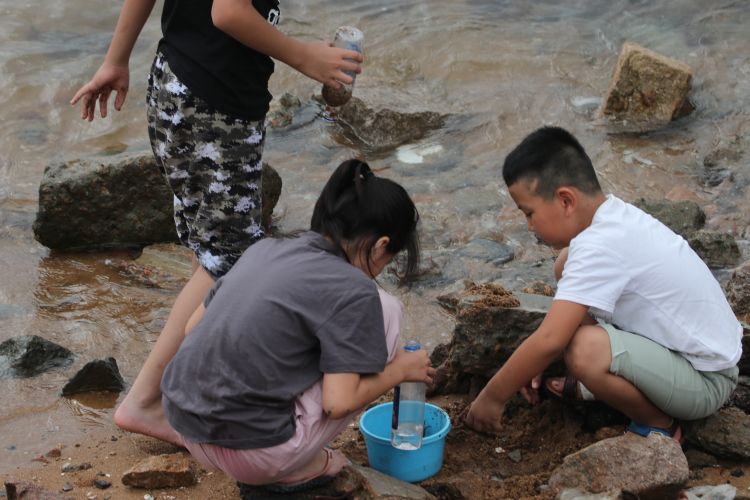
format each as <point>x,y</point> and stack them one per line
<point>327,64</point>
<point>415,366</point>
<point>484,414</point>
<point>531,391</point>
<point>107,78</point>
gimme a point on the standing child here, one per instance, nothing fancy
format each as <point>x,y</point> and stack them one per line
<point>665,343</point>
<point>207,100</point>
<point>296,339</point>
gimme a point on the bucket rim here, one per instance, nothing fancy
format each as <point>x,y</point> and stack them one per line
<point>437,436</point>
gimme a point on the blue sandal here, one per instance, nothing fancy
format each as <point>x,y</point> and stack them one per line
<point>646,430</point>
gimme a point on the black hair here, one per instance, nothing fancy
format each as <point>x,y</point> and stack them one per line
<point>554,158</point>
<point>357,205</point>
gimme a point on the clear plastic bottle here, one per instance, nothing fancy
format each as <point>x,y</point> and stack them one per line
<point>350,38</point>
<point>407,424</point>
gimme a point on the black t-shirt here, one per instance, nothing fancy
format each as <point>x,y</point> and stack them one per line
<point>230,76</point>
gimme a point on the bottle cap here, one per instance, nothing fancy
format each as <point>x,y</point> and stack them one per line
<point>412,346</point>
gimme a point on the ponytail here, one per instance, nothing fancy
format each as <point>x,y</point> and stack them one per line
<point>357,206</point>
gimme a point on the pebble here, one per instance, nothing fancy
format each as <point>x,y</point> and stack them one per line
<point>67,487</point>
<point>102,484</point>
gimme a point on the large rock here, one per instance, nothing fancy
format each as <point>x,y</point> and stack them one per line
<point>716,249</point>
<point>647,90</point>
<point>682,217</point>
<point>648,468</point>
<point>490,324</point>
<point>725,434</point>
<point>386,129</point>
<point>116,201</point>
<point>30,355</point>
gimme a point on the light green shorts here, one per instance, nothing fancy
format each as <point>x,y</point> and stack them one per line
<point>667,379</point>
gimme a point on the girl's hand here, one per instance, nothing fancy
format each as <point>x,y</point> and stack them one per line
<point>415,366</point>
<point>107,78</point>
<point>326,64</point>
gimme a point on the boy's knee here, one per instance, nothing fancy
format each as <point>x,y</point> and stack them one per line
<point>588,350</point>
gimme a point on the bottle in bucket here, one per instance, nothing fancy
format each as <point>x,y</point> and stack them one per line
<point>350,38</point>
<point>407,422</point>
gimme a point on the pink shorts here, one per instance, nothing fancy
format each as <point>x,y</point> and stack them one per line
<point>277,464</point>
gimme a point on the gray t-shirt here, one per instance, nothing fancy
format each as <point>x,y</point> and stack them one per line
<point>289,311</point>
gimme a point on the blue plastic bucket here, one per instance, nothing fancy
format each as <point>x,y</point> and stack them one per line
<point>407,465</point>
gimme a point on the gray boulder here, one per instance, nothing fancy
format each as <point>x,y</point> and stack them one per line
<point>649,468</point>
<point>116,201</point>
<point>725,434</point>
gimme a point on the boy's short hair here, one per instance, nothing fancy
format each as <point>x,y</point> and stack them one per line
<point>554,158</point>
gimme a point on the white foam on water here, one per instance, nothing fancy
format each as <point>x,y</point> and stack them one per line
<point>415,154</point>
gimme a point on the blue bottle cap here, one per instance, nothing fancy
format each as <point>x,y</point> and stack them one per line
<point>412,346</point>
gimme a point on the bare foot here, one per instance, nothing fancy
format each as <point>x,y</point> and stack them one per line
<point>148,420</point>
<point>327,463</point>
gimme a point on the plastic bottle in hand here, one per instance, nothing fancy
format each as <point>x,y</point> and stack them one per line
<point>350,38</point>
<point>408,411</point>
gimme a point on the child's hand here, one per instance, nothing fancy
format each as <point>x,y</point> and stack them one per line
<point>484,414</point>
<point>108,77</point>
<point>327,64</point>
<point>415,366</point>
<point>531,391</point>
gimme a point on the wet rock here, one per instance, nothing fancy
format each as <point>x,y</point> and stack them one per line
<point>113,202</point>
<point>490,324</point>
<point>738,294</point>
<point>647,90</point>
<point>716,249</point>
<point>97,375</point>
<point>718,164</point>
<point>725,434</point>
<point>17,490</point>
<point>161,471</point>
<point>650,468</point>
<point>385,129</point>
<point>682,217</point>
<point>282,115</point>
<point>487,251</point>
<point>30,355</point>
<point>354,481</point>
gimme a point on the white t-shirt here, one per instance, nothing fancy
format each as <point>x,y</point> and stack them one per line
<point>635,273</point>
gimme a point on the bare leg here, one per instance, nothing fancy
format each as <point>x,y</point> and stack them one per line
<point>141,410</point>
<point>589,357</point>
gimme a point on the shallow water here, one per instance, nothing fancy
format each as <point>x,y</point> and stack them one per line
<point>499,68</point>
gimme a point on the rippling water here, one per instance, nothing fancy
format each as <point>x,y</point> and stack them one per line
<point>499,69</point>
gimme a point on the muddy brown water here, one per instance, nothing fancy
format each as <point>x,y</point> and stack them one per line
<point>499,68</point>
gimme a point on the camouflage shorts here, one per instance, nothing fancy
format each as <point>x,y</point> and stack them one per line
<point>213,164</point>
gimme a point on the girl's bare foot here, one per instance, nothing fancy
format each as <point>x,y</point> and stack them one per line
<point>148,420</point>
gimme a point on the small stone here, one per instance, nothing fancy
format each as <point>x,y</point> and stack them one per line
<point>67,487</point>
<point>102,484</point>
<point>515,455</point>
<point>113,438</point>
<point>737,473</point>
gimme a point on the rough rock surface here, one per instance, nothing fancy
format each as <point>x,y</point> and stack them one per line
<point>30,355</point>
<point>115,201</point>
<point>647,90</point>
<point>725,434</point>
<point>651,468</point>
<point>738,292</point>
